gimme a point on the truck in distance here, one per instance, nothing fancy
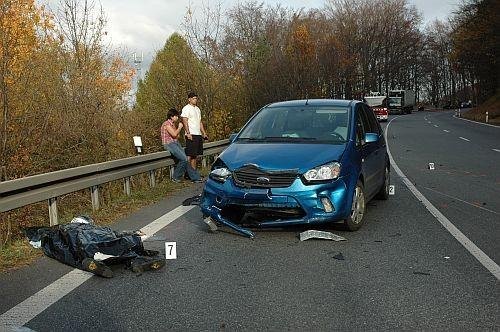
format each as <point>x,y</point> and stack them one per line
<point>401,101</point>
<point>378,104</point>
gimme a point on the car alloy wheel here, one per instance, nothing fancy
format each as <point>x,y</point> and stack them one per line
<point>358,206</point>
<point>355,219</point>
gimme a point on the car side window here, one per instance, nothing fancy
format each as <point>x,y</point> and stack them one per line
<point>372,120</point>
<point>360,126</point>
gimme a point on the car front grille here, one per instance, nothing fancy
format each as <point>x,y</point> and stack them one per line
<point>250,176</point>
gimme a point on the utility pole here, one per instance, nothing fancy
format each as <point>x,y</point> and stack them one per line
<point>137,61</point>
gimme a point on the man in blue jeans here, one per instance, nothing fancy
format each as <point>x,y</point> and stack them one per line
<point>169,135</point>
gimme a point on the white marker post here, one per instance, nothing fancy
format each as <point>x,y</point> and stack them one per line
<point>138,143</point>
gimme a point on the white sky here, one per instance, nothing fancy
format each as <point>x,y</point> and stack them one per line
<point>143,26</point>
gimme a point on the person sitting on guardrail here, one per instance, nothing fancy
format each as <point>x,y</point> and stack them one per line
<point>169,136</point>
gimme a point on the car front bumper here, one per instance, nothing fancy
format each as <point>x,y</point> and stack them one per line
<point>297,204</point>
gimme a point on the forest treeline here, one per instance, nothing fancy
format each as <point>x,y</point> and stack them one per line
<point>64,94</point>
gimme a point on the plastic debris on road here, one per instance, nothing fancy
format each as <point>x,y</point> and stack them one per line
<point>211,224</point>
<point>339,257</point>
<point>431,166</point>
<point>313,234</point>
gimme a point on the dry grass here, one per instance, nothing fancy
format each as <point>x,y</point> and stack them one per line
<point>15,250</point>
<point>492,106</point>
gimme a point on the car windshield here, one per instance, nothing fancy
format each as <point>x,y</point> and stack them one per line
<point>325,124</point>
<point>394,101</point>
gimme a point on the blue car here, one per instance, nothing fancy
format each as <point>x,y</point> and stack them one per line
<point>299,162</point>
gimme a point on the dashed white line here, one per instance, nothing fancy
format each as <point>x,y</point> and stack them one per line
<point>475,251</point>
<point>465,139</point>
<point>436,126</point>
<point>497,150</point>
<point>446,131</point>
<point>37,303</point>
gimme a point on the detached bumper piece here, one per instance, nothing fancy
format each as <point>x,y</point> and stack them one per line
<point>216,215</point>
<point>312,234</point>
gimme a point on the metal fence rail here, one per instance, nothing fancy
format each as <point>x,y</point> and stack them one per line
<point>21,192</point>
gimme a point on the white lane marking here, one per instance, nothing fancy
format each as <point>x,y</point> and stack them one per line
<point>446,131</point>
<point>465,139</point>
<point>479,123</point>
<point>436,126</point>
<point>37,303</point>
<point>487,262</point>
<point>460,200</point>
<point>497,150</point>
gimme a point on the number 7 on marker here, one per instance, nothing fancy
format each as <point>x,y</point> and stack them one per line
<point>170,250</point>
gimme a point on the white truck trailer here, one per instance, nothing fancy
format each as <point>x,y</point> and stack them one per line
<point>401,101</point>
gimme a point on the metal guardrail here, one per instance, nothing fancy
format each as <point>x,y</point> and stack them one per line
<point>21,192</point>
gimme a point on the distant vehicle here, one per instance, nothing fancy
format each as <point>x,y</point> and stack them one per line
<point>466,104</point>
<point>378,104</point>
<point>299,162</point>
<point>401,101</point>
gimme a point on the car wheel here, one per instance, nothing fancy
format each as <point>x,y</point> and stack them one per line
<point>355,219</point>
<point>383,194</point>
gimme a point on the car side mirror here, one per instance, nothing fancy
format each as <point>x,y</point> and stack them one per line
<point>232,137</point>
<point>371,137</point>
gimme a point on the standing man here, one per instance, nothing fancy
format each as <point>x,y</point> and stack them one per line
<point>194,130</point>
<point>169,134</point>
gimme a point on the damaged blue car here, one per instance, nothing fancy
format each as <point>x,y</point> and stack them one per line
<point>299,162</point>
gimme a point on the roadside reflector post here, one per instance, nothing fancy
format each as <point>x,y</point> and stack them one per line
<point>486,117</point>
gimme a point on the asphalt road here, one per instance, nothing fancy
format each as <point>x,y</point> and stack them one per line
<point>402,270</point>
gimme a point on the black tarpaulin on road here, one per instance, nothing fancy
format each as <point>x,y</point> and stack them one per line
<point>75,243</point>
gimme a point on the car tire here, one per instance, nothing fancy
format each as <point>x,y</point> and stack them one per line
<point>383,193</point>
<point>355,219</point>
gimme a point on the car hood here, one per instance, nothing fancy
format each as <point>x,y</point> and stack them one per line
<point>281,156</point>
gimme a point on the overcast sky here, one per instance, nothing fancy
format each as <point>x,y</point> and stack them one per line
<point>143,26</point>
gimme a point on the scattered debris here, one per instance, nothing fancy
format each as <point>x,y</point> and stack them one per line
<point>195,200</point>
<point>339,257</point>
<point>211,224</point>
<point>392,189</point>
<point>431,166</point>
<point>320,235</point>
<point>446,257</point>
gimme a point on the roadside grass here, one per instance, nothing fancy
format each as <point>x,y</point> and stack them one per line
<point>492,106</point>
<point>15,250</point>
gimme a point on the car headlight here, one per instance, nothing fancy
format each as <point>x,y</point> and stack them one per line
<point>328,171</point>
<point>220,174</point>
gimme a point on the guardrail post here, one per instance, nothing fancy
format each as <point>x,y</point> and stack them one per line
<point>94,193</point>
<point>126,185</point>
<point>152,179</point>
<point>53,211</point>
